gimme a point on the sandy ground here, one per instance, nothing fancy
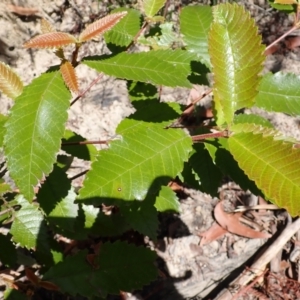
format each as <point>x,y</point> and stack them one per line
<point>99,112</point>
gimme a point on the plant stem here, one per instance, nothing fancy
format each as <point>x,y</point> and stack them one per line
<point>80,95</point>
<point>204,136</point>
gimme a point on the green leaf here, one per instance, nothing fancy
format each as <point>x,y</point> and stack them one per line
<point>208,173</point>
<point>252,119</point>
<point>281,7</point>
<point>146,157</point>
<point>273,165</point>
<point>3,120</point>
<point>219,152</point>
<point>145,67</point>
<point>280,93</point>
<point>125,31</point>
<point>8,253</point>
<point>236,55</point>
<point>12,294</point>
<point>195,22</point>
<point>34,130</point>
<point>56,198</point>
<point>142,216</point>
<point>96,222</point>
<point>28,228</point>
<point>69,144</point>
<point>140,91</point>
<point>151,7</point>
<point>117,270</point>
<point>164,40</point>
<point>167,200</point>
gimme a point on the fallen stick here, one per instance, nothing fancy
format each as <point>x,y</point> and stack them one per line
<point>259,265</point>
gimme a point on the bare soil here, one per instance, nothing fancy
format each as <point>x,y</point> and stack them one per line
<point>188,270</point>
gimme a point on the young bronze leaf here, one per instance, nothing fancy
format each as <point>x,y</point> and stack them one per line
<point>101,26</point>
<point>236,53</point>
<point>273,165</point>
<point>46,27</point>
<point>69,75</point>
<point>10,83</point>
<point>51,40</point>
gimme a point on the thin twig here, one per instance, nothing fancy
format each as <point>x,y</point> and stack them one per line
<point>204,136</point>
<point>259,265</point>
<point>80,95</point>
<point>86,143</point>
<point>78,175</point>
<point>295,27</point>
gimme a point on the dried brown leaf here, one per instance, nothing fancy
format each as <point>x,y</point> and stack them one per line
<point>49,286</point>
<point>22,11</point>
<point>32,277</point>
<point>69,76</point>
<point>51,40</point>
<point>232,223</point>
<point>213,233</point>
<point>101,26</point>
<point>10,83</point>
<point>46,27</point>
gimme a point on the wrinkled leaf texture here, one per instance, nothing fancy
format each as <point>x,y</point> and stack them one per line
<point>236,55</point>
<point>272,164</point>
<point>10,83</point>
<point>51,40</point>
<point>101,26</point>
<point>34,130</point>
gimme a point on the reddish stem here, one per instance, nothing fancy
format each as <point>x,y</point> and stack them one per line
<point>211,135</point>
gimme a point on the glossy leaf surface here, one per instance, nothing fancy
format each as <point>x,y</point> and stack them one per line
<point>236,55</point>
<point>34,130</point>
<point>280,93</point>
<point>195,22</point>
<point>150,67</point>
<point>273,165</point>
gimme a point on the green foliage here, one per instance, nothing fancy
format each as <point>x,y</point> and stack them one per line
<point>146,67</point>
<point>236,60</point>
<point>280,93</point>
<point>195,22</point>
<point>127,184</point>
<point>267,161</point>
<point>114,268</point>
<point>34,130</point>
